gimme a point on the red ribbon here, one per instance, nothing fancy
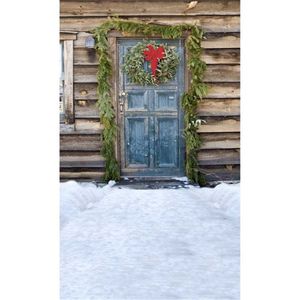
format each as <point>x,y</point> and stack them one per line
<point>154,55</point>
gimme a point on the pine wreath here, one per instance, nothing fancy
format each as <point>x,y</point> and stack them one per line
<point>163,62</point>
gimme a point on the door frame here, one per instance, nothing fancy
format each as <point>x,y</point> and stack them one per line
<point>113,37</point>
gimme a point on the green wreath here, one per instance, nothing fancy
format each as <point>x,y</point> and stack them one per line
<point>135,61</point>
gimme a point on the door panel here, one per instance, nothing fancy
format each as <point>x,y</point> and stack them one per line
<point>166,100</point>
<point>137,101</point>
<point>137,149</point>
<point>167,142</point>
<point>151,121</point>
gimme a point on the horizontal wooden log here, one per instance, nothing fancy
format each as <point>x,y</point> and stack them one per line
<point>88,125</point>
<point>88,91</point>
<point>222,73</point>
<point>86,109</point>
<point>220,56</point>
<point>85,91</point>
<point>207,23</point>
<point>221,173</point>
<point>218,157</point>
<point>84,56</point>
<point>220,141</point>
<point>213,73</point>
<point>220,41</point>
<point>219,107</point>
<point>223,90</point>
<point>90,175</point>
<point>145,8</point>
<point>80,142</point>
<point>210,40</point>
<point>91,161</point>
<point>66,128</point>
<point>228,125</point>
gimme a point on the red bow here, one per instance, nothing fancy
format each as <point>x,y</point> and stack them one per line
<point>154,55</point>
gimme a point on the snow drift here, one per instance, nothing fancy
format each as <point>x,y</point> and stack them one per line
<point>120,243</point>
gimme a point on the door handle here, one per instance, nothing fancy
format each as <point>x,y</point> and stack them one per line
<point>122,98</point>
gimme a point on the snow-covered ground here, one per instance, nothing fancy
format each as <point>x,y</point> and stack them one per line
<point>120,243</point>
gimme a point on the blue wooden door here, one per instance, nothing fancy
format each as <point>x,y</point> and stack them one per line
<point>151,121</point>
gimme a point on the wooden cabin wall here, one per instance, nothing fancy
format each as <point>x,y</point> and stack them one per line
<point>219,156</point>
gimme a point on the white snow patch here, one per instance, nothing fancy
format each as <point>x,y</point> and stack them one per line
<point>183,179</point>
<point>120,243</point>
<point>75,198</point>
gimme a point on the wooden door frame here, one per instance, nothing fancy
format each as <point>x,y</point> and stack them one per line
<point>113,35</point>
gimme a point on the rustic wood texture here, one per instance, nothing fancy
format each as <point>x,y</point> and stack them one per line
<point>82,175</point>
<point>220,141</point>
<point>80,142</point>
<point>222,107</point>
<point>208,23</point>
<point>225,173</point>
<point>218,156</point>
<point>68,81</point>
<point>228,125</point>
<point>108,8</point>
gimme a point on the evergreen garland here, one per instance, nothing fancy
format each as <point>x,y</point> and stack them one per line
<point>189,102</point>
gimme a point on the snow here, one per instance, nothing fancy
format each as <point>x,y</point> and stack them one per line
<point>121,243</point>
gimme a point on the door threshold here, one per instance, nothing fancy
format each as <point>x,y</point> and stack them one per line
<point>161,182</point>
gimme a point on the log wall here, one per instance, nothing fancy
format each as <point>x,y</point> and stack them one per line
<point>219,156</point>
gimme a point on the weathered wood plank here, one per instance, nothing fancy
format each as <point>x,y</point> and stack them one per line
<point>221,56</point>
<point>80,143</point>
<point>91,161</point>
<point>213,73</point>
<point>66,128</point>
<point>63,36</point>
<point>223,90</point>
<point>218,157</point>
<point>107,8</point>
<point>221,41</point>
<point>213,107</point>
<point>88,91</point>
<point>68,81</point>
<point>222,73</point>
<point>88,125</point>
<point>85,91</point>
<point>228,125</point>
<point>82,175</point>
<point>221,173</point>
<point>83,56</point>
<point>210,40</point>
<point>86,109</point>
<point>220,141</point>
<point>207,23</point>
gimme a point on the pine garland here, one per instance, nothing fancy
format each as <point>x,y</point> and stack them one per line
<point>189,100</point>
